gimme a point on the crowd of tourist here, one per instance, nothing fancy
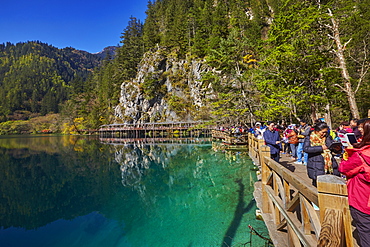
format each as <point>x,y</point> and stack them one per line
<point>327,151</point>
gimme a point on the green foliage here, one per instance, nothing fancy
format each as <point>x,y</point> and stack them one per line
<point>28,124</point>
<point>296,71</point>
<point>182,107</point>
<point>152,87</point>
<point>131,52</point>
<point>38,77</point>
<point>269,60</point>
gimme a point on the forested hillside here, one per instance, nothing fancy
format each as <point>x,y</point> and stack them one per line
<point>38,77</point>
<point>223,60</point>
<point>276,59</point>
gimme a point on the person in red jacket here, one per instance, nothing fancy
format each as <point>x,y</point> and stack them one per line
<point>356,167</point>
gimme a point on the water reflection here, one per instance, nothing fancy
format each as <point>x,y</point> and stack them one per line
<point>134,194</point>
<point>42,179</point>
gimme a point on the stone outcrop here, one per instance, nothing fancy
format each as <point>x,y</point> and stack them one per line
<point>165,89</point>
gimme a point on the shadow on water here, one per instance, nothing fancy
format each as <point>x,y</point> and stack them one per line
<point>240,210</point>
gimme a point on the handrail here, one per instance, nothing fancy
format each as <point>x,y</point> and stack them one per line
<point>289,200</point>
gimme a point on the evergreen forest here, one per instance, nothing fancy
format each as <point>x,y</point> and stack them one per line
<point>38,77</point>
<point>267,60</point>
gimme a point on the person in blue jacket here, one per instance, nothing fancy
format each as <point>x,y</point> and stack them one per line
<point>272,139</point>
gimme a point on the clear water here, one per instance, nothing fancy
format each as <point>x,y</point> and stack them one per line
<point>72,191</point>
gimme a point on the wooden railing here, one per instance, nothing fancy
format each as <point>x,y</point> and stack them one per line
<point>288,200</point>
<point>255,147</point>
<point>219,134</point>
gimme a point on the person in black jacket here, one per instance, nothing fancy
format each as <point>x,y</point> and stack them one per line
<point>320,159</point>
<point>272,139</point>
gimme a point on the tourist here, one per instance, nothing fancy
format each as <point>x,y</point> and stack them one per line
<point>272,139</point>
<point>320,159</point>
<point>303,131</point>
<point>356,167</point>
<point>258,132</point>
<point>360,124</point>
<point>286,149</point>
<point>293,140</point>
<point>344,128</point>
<point>354,125</point>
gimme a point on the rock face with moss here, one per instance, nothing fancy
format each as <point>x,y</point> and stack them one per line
<point>166,88</point>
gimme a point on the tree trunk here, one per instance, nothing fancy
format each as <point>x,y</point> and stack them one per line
<point>343,67</point>
<point>328,115</point>
<point>313,112</point>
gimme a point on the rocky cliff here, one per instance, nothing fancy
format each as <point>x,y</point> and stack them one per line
<point>166,88</point>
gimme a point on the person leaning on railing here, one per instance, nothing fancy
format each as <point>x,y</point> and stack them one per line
<point>356,167</point>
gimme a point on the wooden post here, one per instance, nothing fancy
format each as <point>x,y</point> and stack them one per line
<point>265,151</point>
<point>368,113</point>
<point>250,144</point>
<point>261,143</point>
<point>335,217</point>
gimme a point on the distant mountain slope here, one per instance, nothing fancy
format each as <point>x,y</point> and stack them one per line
<point>107,51</point>
<point>37,77</point>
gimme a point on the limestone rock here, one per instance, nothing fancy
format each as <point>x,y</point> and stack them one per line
<point>165,89</point>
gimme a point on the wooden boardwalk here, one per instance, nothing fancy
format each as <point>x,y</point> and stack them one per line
<point>299,170</point>
<point>155,130</point>
<point>280,238</point>
<point>295,212</point>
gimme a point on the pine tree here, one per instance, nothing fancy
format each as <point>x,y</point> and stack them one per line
<point>131,51</point>
<point>151,27</point>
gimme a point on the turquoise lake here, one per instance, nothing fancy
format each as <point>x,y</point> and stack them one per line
<point>76,191</point>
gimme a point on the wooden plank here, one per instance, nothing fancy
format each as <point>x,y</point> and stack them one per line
<point>293,203</point>
<point>292,237</point>
<point>279,238</point>
<point>331,230</point>
<point>272,207</point>
<point>331,184</point>
<point>280,188</point>
<point>276,194</point>
<point>287,191</point>
<point>282,225</point>
<point>303,186</point>
<point>314,219</point>
<point>306,240</point>
<point>306,224</point>
<point>266,175</point>
<point>331,194</point>
<point>329,200</point>
<point>347,219</point>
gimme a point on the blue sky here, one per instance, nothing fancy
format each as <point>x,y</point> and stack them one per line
<point>84,25</point>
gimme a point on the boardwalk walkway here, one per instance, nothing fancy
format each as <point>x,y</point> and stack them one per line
<point>299,170</point>
<point>295,212</point>
<point>155,130</point>
<point>280,238</point>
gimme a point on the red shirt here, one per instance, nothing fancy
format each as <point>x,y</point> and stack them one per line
<point>358,177</point>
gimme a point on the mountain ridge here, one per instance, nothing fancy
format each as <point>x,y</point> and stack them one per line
<point>39,77</point>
